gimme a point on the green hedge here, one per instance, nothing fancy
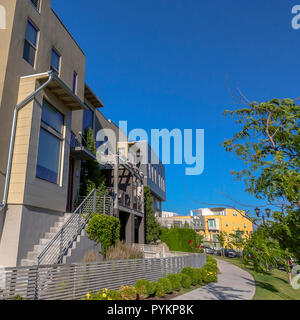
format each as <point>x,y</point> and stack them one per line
<point>177,239</point>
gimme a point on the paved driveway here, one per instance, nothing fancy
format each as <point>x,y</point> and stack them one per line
<point>233,284</point>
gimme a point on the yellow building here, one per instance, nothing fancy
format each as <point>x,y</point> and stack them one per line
<point>216,220</point>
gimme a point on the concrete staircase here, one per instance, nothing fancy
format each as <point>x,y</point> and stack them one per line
<point>32,256</point>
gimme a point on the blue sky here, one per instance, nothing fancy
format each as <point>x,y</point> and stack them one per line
<point>166,64</point>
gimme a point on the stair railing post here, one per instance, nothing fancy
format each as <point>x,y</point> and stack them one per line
<point>104,204</point>
<point>61,244</point>
<point>95,201</point>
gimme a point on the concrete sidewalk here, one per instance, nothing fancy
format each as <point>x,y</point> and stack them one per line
<point>233,284</point>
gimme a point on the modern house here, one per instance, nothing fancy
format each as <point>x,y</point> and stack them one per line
<point>172,219</point>
<point>216,220</point>
<point>142,155</point>
<point>41,160</point>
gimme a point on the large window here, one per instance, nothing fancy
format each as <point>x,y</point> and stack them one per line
<point>88,120</point>
<point>55,61</point>
<point>30,43</point>
<point>51,137</point>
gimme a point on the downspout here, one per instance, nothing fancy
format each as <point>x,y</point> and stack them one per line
<point>13,134</point>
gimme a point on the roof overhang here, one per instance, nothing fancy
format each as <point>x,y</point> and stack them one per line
<point>81,153</point>
<point>60,90</point>
<point>90,96</point>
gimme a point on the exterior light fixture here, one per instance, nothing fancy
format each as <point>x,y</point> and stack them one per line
<point>257,211</point>
<point>268,212</point>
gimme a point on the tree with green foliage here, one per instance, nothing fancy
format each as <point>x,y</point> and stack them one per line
<point>221,237</point>
<point>91,176</point>
<point>105,230</point>
<point>153,228</point>
<point>269,145</point>
<point>237,240</point>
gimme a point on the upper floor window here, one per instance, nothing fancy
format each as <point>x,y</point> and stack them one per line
<point>36,4</point>
<point>55,61</point>
<point>88,120</point>
<point>75,78</point>
<point>235,214</point>
<point>30,44</point>
<point>212,223</point>
<point>50,144</point>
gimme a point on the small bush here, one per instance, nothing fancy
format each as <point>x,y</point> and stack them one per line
<point>186,281</point>
<point>199,276</point>
<point>191,273</point>
<point>167,284</point>
<point>175,282</point>
<point>143,288</point>
<point>91,256</point>
<point>18,297</point>
<point>160,290</point>
<point>104,229</point>
<point>115,295</point>
<point>123,251</point>
<point>152,288</point>
<point>128,293</point>
<point>101,295</point>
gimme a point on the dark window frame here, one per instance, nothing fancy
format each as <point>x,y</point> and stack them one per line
<point>59,136</point>
<point>55,51</point>
<point>29,43</point>
<point>36,6</point>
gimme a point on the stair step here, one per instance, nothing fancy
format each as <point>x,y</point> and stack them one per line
<point>44,241</point>
<point>28,262</point>
<point>54,230</point>
<point>59,224</point>
<point>49,235</point>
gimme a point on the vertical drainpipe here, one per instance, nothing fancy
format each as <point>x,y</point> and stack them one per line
<point>13,135</point>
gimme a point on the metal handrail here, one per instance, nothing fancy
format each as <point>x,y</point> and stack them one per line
<point>95,202</point>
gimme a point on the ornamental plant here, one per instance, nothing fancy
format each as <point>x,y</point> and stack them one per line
<point>143,288</point>
<point>152,288</point>
<point>100,295</point>
<point>104,229</point>
<point>166,284</point>
<point>175,282</point>
<point>128,293</point>
<point>186,281</point>
<point>160,291</point>
<point>191,273</point>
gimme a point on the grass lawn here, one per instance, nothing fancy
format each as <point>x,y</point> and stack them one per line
<point>273,286</point>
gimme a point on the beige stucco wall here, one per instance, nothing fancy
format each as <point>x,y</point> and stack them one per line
<point>52,33</point>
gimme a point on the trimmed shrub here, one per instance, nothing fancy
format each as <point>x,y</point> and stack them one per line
<point>160,290</point>
<point>123,251</point>
<point>191,273</point>
<point>143,288</point>
<point>175,282</point>
<point>128,293</point>
<point>115,295</point>
<point>186,281</point>
<point>152,288</point>
<point>104,229</point>
<point>199,276</point>
<point>167,284</point>
<point>180,239</point>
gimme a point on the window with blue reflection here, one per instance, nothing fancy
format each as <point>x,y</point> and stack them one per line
<point>88,120</point>
<point>49,152</point>
<point>30,43</point>
<point>48,157</point>
<point>55,60</point>
<point>52,117</point>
